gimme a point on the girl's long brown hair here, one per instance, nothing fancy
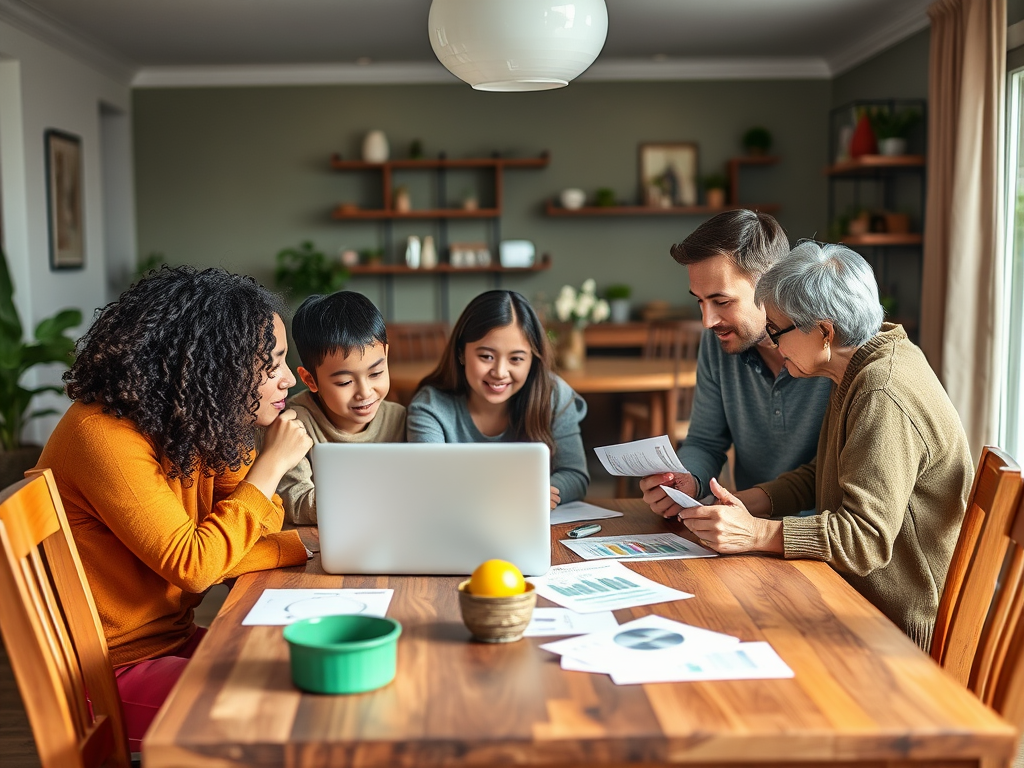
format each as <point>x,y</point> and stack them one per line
<point>529,410</point>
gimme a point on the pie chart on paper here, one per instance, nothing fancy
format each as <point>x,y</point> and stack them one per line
<point>648,639</point>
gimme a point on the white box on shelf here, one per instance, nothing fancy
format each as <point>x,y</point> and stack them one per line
<point>516,253</point>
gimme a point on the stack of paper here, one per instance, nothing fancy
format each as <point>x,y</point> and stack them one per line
<point>657,650</point>
<point>602,585</point>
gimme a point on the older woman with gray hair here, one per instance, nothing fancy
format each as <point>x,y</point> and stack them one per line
<point>893,470</point>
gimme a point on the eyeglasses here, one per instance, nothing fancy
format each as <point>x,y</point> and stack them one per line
<point>773,336</point>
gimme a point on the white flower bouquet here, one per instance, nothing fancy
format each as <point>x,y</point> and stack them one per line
<point>581,307</point>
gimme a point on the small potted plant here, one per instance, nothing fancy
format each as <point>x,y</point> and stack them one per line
<point>604,197</point>
<point>305,271</point>
<point>714,190</point>
<point>757,140</point>
<point>618,301</point>
<point>17,356</point>
<point>892,128</point>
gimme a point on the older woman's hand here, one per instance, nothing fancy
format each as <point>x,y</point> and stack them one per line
<point>658,500</point>
<point>728,527</point>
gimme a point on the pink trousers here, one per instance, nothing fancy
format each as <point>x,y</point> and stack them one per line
<point>144,687</point>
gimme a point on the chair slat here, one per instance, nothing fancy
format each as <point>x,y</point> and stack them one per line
<point>53,634</point>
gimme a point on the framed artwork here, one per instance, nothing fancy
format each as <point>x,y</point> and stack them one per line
<point>668,174</point>
<point>64,200</point>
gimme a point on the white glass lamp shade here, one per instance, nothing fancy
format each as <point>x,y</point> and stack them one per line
<point>517,45</point>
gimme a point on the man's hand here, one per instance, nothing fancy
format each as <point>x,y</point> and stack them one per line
<point>556,497</point>
<point>658,500</point>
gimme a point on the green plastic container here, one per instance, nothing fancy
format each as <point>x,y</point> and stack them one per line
<point>343,654</point>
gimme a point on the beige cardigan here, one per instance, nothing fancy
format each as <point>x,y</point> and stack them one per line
<point>890,483</point>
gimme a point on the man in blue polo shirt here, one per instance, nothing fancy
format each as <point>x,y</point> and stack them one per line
<point>744,395</point>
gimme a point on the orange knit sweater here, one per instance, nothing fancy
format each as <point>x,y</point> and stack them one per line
<point>151,546</point>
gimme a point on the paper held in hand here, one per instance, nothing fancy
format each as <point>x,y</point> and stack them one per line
<point>640,458</point>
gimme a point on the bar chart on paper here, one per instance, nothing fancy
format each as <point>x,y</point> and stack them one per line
<point>602,586</point>
<point>649,546</point>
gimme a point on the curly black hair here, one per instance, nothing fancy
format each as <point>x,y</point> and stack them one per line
<point>182,354</point>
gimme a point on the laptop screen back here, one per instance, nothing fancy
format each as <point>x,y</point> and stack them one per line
<point>432,508</point>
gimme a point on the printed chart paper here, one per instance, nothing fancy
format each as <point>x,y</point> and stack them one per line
<point>640,458</point>
<point>557,622</point>
<point>605,585</point>
<point>572,511</point>
<point>277,607</point>
<point>641,546</point>
<point>745,661</point>
<point>648,643</point>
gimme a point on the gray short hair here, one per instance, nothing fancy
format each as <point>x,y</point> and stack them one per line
<point>822,281</point>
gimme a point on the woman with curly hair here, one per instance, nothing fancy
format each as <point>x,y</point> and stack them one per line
<point>156,466</point>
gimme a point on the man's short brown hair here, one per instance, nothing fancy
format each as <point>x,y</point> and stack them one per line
<point>751,240</point>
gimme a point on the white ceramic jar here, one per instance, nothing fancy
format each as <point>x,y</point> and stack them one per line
<point>375,147</point>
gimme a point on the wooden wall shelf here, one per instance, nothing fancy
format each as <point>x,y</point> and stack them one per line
<point>378,214</point>
<point>869,165</point>
<point>551,208</point>
<point>884,238</point>
<point>447,269</point>
<point>338,164</point>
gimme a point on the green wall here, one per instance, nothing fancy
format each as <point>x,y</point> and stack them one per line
<point>228,176</point>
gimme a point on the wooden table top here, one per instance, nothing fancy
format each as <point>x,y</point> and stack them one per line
<point>599,374</point>
<point>863,692</point>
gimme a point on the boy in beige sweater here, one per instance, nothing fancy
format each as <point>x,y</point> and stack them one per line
<point>343,345</point>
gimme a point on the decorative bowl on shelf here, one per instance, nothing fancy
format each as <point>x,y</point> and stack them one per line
<point>573,198</point>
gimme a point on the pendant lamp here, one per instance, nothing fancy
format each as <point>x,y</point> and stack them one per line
<point>517,45</point>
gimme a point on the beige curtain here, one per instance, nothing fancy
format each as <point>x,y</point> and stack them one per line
<point>960,330</point>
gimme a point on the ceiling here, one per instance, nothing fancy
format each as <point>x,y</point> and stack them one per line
<point>154,34</point>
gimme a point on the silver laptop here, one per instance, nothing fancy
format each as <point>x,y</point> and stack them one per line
<point>432,508</point>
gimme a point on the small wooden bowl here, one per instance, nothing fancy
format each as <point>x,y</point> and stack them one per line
<point>496,619</point>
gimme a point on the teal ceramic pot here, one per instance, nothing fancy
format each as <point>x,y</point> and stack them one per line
<point>343,654</point>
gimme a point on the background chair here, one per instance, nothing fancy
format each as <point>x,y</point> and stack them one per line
<point>416,341</point>
<point>675,340</point>
<point>53,635</point>
<point>979,637</point>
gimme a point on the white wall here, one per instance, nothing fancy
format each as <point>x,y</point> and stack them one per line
<point>43,86</point>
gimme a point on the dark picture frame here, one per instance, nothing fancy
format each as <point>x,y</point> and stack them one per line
<point>668,174</point>
<point>64,190</point>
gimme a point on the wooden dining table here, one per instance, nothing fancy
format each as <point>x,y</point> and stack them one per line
<point>659,379</point>
<point>863,694</point>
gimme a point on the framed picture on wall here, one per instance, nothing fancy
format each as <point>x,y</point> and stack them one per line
<point>668,174</point>
<point>64,200</point>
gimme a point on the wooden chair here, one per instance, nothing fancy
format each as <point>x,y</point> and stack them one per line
<point>670,340</point>
<point>53,634</point>
<point>416,341</point>
<point>979,635</point>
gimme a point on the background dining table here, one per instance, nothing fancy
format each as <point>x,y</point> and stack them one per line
<point>660,379</point>
<point>863,694</point>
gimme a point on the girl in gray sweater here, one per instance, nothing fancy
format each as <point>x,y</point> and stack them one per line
<point>494,383</point>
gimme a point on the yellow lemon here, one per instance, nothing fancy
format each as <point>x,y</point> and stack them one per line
<point>496,578</point>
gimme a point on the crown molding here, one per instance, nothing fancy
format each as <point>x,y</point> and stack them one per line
<point>417,73</point>
<point>913,20</point>
<point>53,32</point>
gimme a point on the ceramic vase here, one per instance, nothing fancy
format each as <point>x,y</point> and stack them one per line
<point>863,140</point>
<point>892,146</point>
<point>412,252</point>
<point>620,309</point>
<point>572,352</point>
<point>428,253</point>
<point>375,147</point>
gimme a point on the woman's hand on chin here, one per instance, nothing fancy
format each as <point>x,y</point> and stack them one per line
<point>728,527</point>
<point>284,445</point>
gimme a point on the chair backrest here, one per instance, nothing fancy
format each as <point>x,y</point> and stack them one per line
<point>416,341</point>
<point>1005,686</point>
<point>980,608</point>
<point>673,339</point>
<point>53,634</point>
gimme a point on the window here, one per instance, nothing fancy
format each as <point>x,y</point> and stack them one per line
<point>1012,405</point>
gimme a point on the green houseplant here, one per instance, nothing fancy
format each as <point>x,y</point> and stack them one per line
<point>618,301</point>
<point>17,356</point>
<point>305,271</point>
<point>757,140</point>
<point>892,127</point>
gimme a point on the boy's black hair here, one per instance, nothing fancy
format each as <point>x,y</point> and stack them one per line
<point>344,321</point>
